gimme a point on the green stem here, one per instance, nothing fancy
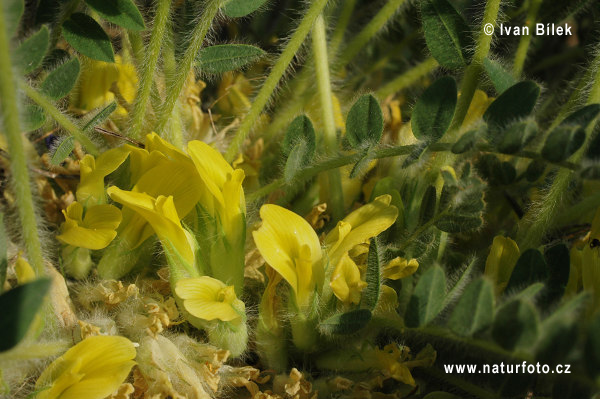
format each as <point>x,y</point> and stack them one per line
<point>525,40</point>
<point>148,68</point>
<point>461,384</point>
<point>268,87</point>
<point>18,162</point>
<point>175,85</point>
<point>325,95</point>
<point>174,132</point>
<point>407,78</point>
<point>383,16</point>
<point>137,47</point>
<point>471,78</point>
<point>47,105</point>
<point>340,28</point>
<point>380,153</point>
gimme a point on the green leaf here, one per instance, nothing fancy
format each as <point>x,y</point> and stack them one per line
<point>427,209</point>
<point>446,33</point>
<point>558,260</point>
<point>362,165</point>
<point>370,295</point>
<point>500,77</point>
<point>441,395</point>
<point>364,125</point>
<point>63,150</point>
<point>120,12</point>
<point>227,57</point>
<point>427,299</point>
<point>61,80</point>
<point>529,293</point>
<point>29,55</point>
<point>346,323</point>
<point>517,136</point>
<point>466,213</point>
<point>32,118</point>
<point>296,161</point>
<point>100,117</point>
<point>299,145</point>
<point>497,173</point>
<point>535,170</point>
<point>563,142</point>
<point>465,142</point>
<point>3,252</point>
<point>19,307</point>
<point>241,8</point>
<point>474,311</point>
<point>86,36</point>
<point>583,116</point>
<point>516,325</point>
<point>434,110</point>
<point>515,103</point>
<point>559,331</point>
<point>530,268</point>
<point>13,11</point>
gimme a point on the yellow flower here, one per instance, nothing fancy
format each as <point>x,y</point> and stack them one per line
<point>399,268</point>
<point>478,106</point>
<point>92,369</point>
<point>226,200</point>
<point>208,298</point>
<point>233,93</point>
<point>345,281</point>
<point>24,271</point>
<point>162,215</point>
<point>291,247</point>
<point>90,190</point>
<point>96,80</point>
<point>359,226</point>
<point>95,230</point>
<point>501,261</point>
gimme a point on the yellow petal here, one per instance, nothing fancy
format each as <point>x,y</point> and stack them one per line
<point>500,262</point>
<point>209,299</point>
<point>94,368</point>
<point>366,222</point>
<point>90,190</point>
<point>95,231</point>
<point>24,271</point>
<point>345,281</point>
<point>211,166</point>
<point>287,241</point>
<point>399,268</point>
<point>161,214</point>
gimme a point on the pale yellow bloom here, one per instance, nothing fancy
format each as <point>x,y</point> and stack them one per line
<point>345,281</point>
<point>399,268</point>
<point>24,271</point>
<point>291,247</point>
<point>208,298</point>
<point>501,261</point>
<point>95,230</point>
<point>478,106</point>
<point>96,80</point>
<point>90,190</point>
<point>162,215</point>
<point>92,369</point>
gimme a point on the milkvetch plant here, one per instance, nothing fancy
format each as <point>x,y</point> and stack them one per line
<point>215,199</point>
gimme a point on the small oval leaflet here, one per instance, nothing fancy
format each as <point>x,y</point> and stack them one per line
<point>86,36</point>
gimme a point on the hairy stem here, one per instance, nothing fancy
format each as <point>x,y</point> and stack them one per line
<point>324,87</point>
<point>174,132</point>
<point>184,66</point>
<point>148,68</point>
<point>407,78</point>
<point>383,16</point>
<point>60,118</point>
<point>268,87</point>
<point>341,27</point>
<point>525,40</point>
<point>470,80</point>
<point>18,161</point>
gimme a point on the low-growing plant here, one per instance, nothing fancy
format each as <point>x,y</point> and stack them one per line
<point>299,199</point>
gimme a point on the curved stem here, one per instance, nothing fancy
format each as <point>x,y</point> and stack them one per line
<point>525,40</point>
<point>266,91</point>
<point>383,16</point>
<point>21,181</point>
<point>59,117</point>
<point>148,68</point>
<point>325,95</point>
<point>407,78</point>
<point>340,28</point>
<point>177,82</point>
